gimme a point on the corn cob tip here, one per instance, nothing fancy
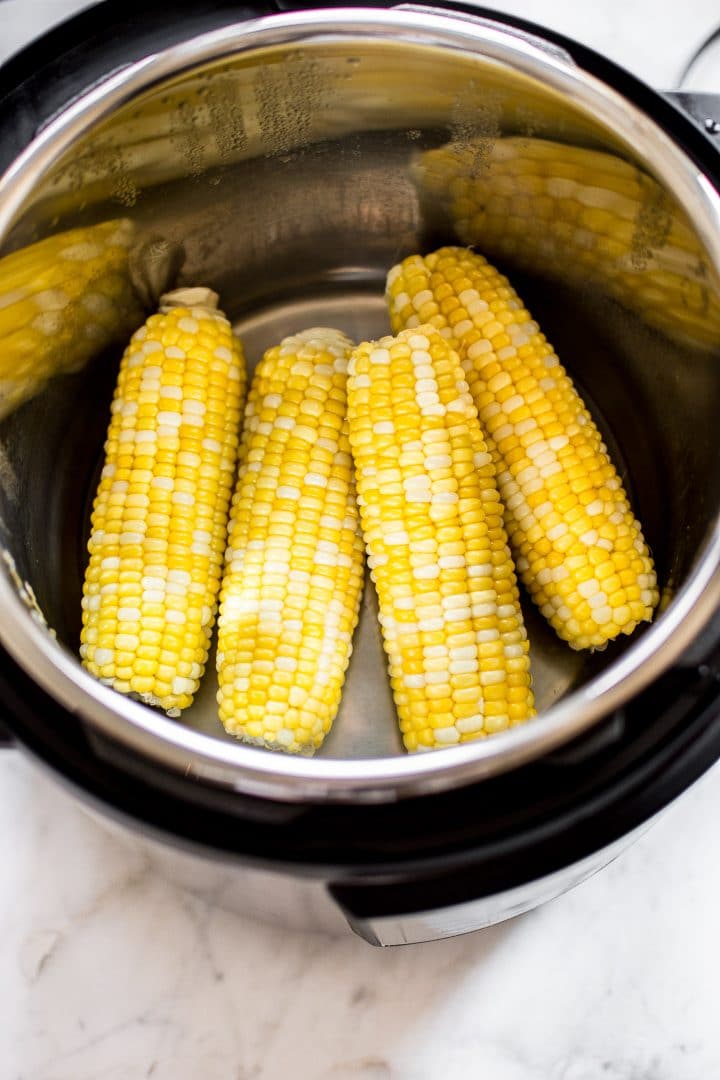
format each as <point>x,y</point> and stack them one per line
<point>156,702</point>
<point>322,339</point>
<point>197,297</point>
<point>278,742</point>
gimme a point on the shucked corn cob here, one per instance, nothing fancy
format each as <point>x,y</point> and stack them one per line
<point>160,515</point>
<point>294,568</point>
<point>61,301</point>
<point>569,212</point>
<point>579,549</point>
<point>432,520</point>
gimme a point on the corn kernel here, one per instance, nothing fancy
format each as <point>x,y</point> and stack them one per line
<point>443,524</point>
<point>141,575</point>
<point>292,586</point>
<point>569,521</point>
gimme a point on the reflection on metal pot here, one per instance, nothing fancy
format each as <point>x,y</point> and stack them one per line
<point>571,213</point>
<point>62,301</point>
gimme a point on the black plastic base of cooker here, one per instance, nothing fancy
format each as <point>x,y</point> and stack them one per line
<point>418,853</point>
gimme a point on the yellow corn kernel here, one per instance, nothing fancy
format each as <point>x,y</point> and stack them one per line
<point>438,554</point>
<point>294,569</point>
<point>561,541</point>
<point>157,540</point>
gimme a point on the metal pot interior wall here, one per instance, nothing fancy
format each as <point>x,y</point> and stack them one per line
<point>294,176</point>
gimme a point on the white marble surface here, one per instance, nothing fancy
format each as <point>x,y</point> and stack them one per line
<point>108,973</point>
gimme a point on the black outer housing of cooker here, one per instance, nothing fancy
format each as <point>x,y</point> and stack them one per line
<point>420,853</point>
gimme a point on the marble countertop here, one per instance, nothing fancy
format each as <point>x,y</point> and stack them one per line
<point>109,973</point>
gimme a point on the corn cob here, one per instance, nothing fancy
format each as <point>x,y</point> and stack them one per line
<point>579,549</point>
<point>160,514</point>
<point>571,213</point>
<point>294,567</point>
<point>432,520</point>
<point>61,301</point>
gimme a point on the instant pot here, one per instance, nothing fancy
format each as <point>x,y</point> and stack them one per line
<point>282,150</point>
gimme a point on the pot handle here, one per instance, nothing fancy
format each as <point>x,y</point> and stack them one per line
<point>703,108</point>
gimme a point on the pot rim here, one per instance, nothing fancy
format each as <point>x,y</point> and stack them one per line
<point>283,777</point>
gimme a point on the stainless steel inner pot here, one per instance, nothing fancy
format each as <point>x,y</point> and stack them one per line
<point>289,156</point>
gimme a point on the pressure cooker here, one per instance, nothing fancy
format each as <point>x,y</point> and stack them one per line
<point>281,149</point>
